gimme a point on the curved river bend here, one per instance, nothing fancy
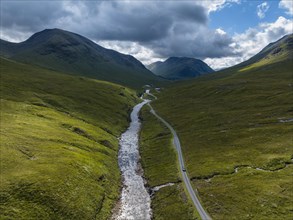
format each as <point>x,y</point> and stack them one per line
<point>135,200</point>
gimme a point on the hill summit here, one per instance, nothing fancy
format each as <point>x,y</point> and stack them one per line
<point>72,53</point>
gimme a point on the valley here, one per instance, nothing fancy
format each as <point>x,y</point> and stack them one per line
<point>202,144</point>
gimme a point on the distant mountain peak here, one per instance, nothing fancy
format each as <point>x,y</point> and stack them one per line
<point>177,68</point>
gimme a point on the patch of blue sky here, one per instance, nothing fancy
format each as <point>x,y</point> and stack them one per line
<point>236,18</point>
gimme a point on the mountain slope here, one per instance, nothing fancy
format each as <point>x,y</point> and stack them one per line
<point>71,53</point>
<point>59,146</point>
<point>177,68</point>
<point>274,52</point>
<point>154,66</point>
<point>238,118</point>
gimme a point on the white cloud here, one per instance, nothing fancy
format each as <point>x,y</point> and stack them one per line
<point>217,5</point>
<point>220,31</point>
<point>221,63</point>
<point>252,41</point>
<point>262,9</point>
<point>287,5</point>
<point>14,35</point>
<point>144,54</point>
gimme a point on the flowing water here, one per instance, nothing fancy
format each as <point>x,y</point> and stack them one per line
<point>135,200</point>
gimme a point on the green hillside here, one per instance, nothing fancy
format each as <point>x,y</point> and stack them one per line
<point>74,54</point>
<point>274,52</point>
<point>238,118</point>
<point>59,143</point>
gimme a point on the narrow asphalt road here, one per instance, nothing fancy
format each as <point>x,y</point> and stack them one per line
<point>203,214</point>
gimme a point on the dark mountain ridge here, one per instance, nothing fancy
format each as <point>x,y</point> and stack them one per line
<point>178,68</point>
<point>72,53</point>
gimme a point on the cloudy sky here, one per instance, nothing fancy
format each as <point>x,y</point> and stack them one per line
<point>220,32</point>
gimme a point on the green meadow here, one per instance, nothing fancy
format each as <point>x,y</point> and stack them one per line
<point>234,118</point>
<point>59,144</point>
<point>159,161</point>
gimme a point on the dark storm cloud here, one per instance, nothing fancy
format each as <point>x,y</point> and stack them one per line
<point>143,22</point>
<point>135,25</point>
<point>191,40</point>
<point>30,15</point>
<point>169,28</point>
<point>190,12</point>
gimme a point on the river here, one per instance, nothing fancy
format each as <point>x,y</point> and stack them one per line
<point>135,200</point>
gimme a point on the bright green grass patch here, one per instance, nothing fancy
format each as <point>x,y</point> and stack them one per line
<point>267,61</point>
<point>159,161</point>
<point>232,118</point>
<point>171,203</point>
<point>59,144</point>
<point>158,156</point>
<point>250,193</point>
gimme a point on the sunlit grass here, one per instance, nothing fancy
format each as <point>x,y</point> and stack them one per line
<point>159,161</point>
<point>59,144</point>
<point>233,118</point>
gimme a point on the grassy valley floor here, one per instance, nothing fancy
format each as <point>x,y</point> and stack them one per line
<point>237,118</point>
<point>59,144</point>
<point>249,194</point>
<point>159,161</point>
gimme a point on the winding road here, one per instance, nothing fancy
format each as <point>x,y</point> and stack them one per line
<point>203,214</point>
